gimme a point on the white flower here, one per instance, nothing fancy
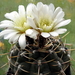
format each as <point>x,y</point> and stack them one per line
<point>47,19</point>
<point>37,19</point>
<point>16,27</point>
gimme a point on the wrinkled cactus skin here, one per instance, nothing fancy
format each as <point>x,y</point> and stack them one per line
<point>43,56</point>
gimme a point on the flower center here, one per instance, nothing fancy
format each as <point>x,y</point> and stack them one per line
<point>21,25</point>
<point>44,21</point>
<point>45,24</point>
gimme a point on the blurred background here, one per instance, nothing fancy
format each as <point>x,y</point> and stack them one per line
<point>12,5</point>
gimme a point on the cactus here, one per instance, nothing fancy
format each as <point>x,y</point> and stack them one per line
<point>38,49</point>
<point>43,56</point>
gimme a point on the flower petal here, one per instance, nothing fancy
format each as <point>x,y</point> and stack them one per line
<point>60,15</point>
<point>11,40</point>
<point>32,33</point>
<point>57,21</point>
<point>32,11</point>
<point>6,31</point>
<point>45,9</point>
<point>42,9</point>
<point>39,6</point>
<point>45,35</point>
<point>31,22</point>
<point>29,9</point>
<point>51,7</point>
<point>57,10</point>
<point>13,15</point>
<point>54,33</point>
<point>6,22</point>
<point>60,31</point>
<point>6,26</point>
<point>14,39</point>
<point>63,23</point>
<point>21,10</point>
<point>22,41</point>
<point>10,35</point>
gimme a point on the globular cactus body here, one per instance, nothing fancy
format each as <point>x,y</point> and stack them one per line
<point>44,56</point>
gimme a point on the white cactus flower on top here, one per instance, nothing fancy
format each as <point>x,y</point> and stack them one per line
<point>47,19</point>
<point>16,27</point>
<point>37,19</point>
